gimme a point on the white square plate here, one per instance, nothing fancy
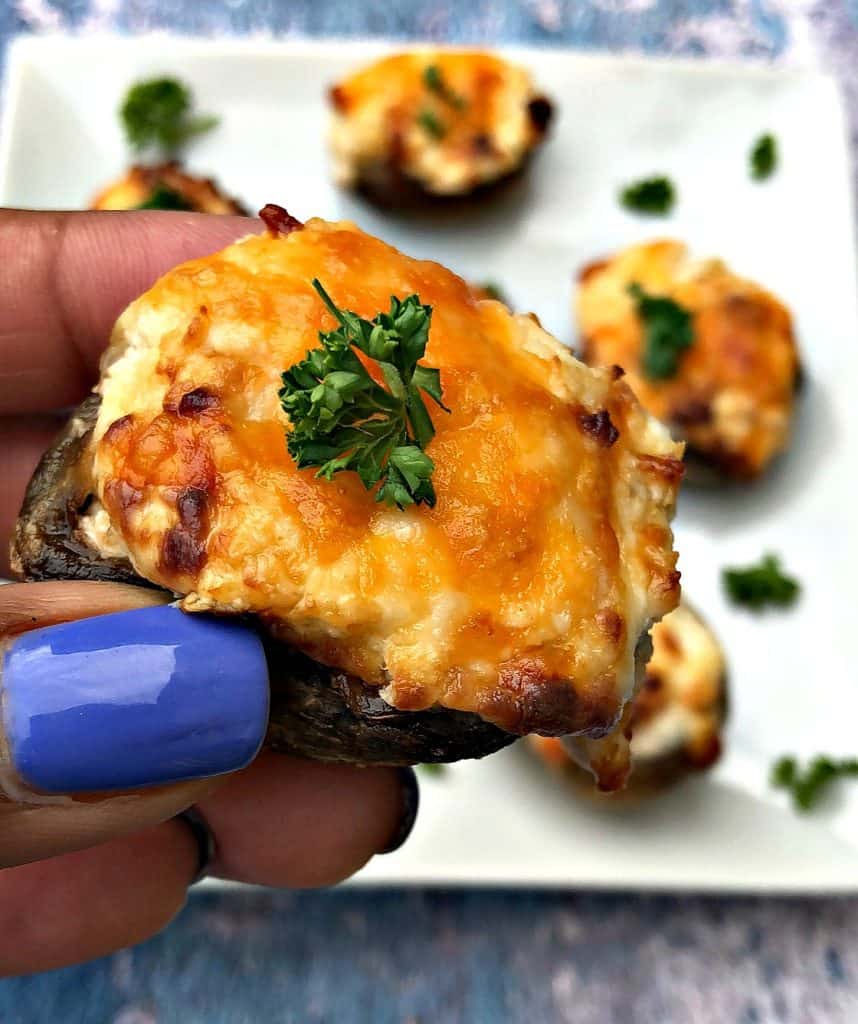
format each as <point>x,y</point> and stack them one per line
<point>794,685</point>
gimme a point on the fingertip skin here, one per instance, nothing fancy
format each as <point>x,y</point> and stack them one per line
<point>133,699</point>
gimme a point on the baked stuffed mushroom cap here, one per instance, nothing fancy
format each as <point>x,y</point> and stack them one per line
<point>732,394</point>
<point>519,603</point>
<point>434,123</point>
<point>165,186</point>
<point>676,718</point>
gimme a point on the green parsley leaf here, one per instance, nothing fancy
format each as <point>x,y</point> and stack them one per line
<point>668,332</point>
<point>431,125</point>
<point>157,112</point>
<point>493,291</point>
<point>432,768</point>
<point>163,198</point>
<point>434,82</point>
<point>650,195</point>
<point>759,585</point>
<point>807,786</point>
<point>764,157</point>
<point>344,420</point>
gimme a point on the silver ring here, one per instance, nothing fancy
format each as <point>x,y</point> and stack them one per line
<point>205,840</point>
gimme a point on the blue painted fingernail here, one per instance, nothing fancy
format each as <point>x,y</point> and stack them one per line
<point>133,699</point>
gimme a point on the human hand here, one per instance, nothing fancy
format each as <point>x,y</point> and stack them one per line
<point>86,875</point>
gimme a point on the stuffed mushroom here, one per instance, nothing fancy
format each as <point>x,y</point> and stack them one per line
<point>709,353</point>
<point>434,123</point>
<point>676,718</point>
<point>165,186</point>
<point>493,573</point>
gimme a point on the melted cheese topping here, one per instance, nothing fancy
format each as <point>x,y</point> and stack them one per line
<point>138,184</point>
<point>680,707</point>
<point>732,397</point>
<point>485,132</point>
<point>520,596</point>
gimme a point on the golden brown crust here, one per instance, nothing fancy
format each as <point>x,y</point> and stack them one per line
<point>520,596</point>
<point>398,139</point>
<point>136,187</point>
<point>732,397</point>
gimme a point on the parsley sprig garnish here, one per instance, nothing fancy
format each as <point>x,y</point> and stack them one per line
<point>668,331</point>
<point>435,82</point>
<point>158,113</point>
<point>807,786</point>
<point>344,420</point>
<point>650,195</point>
<point>759,585</point>
<point>764,157</point>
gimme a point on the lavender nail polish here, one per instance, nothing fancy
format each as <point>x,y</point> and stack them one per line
<point>133,699</point>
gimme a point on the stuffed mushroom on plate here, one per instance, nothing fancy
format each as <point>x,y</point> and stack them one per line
<point>677,716</point>
<point>165,186</point>
<point>430,585</point>
<point>158,118</point>
<point>434,124</point>
<point>711,354</point>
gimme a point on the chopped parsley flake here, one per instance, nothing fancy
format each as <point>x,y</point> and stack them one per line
<point>668,332</point>
<point>431,125</point>
<point>492,290</point>
<point>163,198</point>
<point>807,786</point>
<point>756,586</point>
<point>654,196</point>
<point>158,113</point>
<point>764,157</point>
<point>435,82</point>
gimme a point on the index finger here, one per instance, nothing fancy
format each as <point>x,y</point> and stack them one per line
<point>66,277</point>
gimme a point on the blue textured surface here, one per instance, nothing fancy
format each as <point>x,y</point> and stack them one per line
<point>438,957</point>
<point>471,957</point>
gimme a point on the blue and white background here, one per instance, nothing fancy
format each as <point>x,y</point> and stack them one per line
<point>430,957</point>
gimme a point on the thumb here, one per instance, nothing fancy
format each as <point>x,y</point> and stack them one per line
<point>118,711</point>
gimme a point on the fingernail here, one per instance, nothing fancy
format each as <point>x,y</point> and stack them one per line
<point>410,796</point>
<point>133,699</point>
